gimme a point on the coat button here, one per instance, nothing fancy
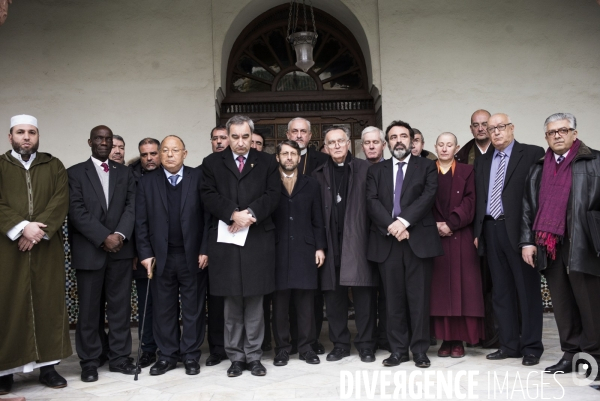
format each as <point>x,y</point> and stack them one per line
<point>291,237</point>
<point>290,201</point>
<point>291,218</point>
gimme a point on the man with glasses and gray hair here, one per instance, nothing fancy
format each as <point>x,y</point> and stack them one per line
<point>343,183</point>
<point>241,190</point>
<point>499,182</point>
<point>561,213</point>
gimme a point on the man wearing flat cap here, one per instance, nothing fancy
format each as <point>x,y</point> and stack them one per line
<point>34,199</point>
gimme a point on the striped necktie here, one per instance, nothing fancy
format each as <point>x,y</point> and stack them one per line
<point>495,201</point>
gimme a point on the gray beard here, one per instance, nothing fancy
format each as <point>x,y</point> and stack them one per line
<point>24,152</point>
<point>400,153</point>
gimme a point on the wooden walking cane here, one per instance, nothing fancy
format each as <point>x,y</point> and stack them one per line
<point>150,274</point>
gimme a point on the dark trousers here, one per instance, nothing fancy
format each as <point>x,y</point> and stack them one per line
<point>148,343</point>
<point>267,301</point>
<point>337,316</point>
<point>381,327</point>
<point>304,307</point>
<point>114,278</point>
<point>319,303</point>
<point>515,284</point>
<point>407,287</point>
<point>216,323</point>
<point>177,280</point>
<point>576,304</point>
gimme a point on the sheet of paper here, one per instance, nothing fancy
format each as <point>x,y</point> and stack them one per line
<point>226,237</point>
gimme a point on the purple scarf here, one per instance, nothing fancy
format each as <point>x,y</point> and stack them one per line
<point>555,188</point>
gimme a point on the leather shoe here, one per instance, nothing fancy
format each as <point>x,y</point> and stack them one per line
<point>458,350</point>
<point>445,349</point>
<point>257,368</point>
<point>52,379</point>
<point>126,367</point>
<point>563,366</point>
<point>161,367</point>
<point>310,357</point>
<point>215,359</point>
<point>337,353</point>
<point>421,360</point>
<point>6,383</point>
<point>281,359</point>
<point>89,374</point>
<point>366,355</point>
<point>147,359</point>
<point>236,369</point>
<point>530,360</point>
<point>192,367</point>
<point>318,347</point>
<point>395,359</point>
<point>432,341</point>
<point>498,355</point>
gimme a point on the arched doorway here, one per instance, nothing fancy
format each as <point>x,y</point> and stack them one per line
<point>263,82</point>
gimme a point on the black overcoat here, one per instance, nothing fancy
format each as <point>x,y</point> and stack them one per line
<point>248,270</point>
<point>300,233</point>
<point>355,269</point>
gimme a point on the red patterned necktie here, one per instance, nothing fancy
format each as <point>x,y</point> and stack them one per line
<point>105,167</point>
<point>240,160</point>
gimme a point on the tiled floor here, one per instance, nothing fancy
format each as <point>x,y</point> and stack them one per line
<point>324,381</point>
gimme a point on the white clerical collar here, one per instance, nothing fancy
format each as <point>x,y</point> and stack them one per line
<point>565,155</point>
<point>289,176</point>
<point>303,151</point>
<point>19,157</point>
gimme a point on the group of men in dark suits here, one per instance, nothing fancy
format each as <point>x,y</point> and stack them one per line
<point>312,225</point>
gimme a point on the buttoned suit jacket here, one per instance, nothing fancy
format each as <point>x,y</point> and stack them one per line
<point>416,201</point>
<point>91,221</point>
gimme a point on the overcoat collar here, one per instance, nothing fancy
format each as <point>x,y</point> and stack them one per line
<point>300,183</point>
<point>251,161</point>
<point>92,174</point>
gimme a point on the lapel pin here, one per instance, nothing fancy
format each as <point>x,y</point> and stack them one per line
<point>252,165</point>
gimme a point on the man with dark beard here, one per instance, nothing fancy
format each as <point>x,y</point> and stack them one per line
<point>299,251</point>
<point>403,241</point>
<point>32,264</point>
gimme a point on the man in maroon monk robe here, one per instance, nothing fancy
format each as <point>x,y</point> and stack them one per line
<point>456,298</point>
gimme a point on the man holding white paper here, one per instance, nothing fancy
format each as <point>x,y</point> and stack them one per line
<point>241,189</point>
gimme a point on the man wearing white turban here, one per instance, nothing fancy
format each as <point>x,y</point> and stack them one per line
<point>34,200</point>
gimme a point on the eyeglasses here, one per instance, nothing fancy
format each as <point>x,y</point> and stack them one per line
<point>285,155</point>
<point>500,127</point>
<point>561,131</point>
<point>340,142</point>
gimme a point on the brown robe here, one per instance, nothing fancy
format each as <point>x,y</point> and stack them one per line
<point>456,277</point>
<point>33,314</point>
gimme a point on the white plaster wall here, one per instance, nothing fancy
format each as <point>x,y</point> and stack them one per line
<point>442,60</point>
<point>142,67</point>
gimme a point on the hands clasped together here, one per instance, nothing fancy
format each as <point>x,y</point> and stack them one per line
<point>398,230</point>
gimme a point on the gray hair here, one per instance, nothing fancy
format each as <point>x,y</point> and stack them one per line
<point>371,129</point>
<point>118,138</point>
<point>239,120</point>
<point>446,133</point>
<point>297,119</point>
<point>337,126</point>
<point>561,116</point>
<point>417,131</point>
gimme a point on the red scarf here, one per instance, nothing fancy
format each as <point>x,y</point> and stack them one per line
<point>555,188</point>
